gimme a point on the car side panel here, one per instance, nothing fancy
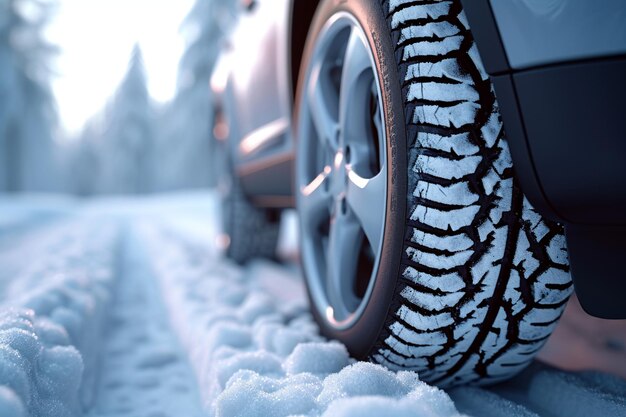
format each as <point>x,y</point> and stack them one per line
<point>259,68</point>
<point>257,102</point>
<point>542,32</point>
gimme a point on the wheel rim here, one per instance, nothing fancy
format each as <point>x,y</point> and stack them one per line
<point>341,172</point>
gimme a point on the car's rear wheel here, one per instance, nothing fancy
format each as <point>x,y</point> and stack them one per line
<point>419,249</point>
<point>248,231</point>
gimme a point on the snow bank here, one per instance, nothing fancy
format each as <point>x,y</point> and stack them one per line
<point>49,335</point>
<point>259,353</point>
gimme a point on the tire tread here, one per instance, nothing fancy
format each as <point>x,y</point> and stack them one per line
<point>484,277</point>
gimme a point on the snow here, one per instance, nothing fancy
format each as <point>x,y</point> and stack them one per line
<point>361,389</point>
<point>23,210</point>
<point>487,404</point>
<point>126,308</point>
<point>567,390</point>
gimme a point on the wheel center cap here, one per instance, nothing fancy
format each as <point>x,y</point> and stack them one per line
<point>339,174</point>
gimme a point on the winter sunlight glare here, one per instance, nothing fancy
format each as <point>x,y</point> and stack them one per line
<point>96,38</point>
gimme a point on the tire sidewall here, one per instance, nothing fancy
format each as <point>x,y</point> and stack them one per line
<point>363,334</point>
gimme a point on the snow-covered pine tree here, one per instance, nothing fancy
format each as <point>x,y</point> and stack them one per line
<point>185,141</point>
<point>82,159</point>
<point>27,110</point>
<point>125,145</point>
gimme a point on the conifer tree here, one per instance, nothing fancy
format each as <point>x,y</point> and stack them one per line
<point>186,145</point>
<point>27,110</point>
<point>125,145</point>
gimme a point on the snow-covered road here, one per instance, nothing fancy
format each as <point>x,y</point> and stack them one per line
<point>125,308</point>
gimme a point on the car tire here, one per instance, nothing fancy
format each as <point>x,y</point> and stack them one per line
<point>248,231</point>
<point>468,280</point>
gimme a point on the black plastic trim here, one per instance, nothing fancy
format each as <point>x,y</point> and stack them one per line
<point>485,32</point>
<point>269,178</point>
<point>596,261</point>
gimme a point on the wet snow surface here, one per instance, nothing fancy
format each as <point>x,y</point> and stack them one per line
<point>124,308</point>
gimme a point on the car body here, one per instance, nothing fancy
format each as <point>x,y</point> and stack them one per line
<point>560,90</point>
<point>249,82</point>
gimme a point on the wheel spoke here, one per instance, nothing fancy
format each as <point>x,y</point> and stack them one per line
<point>367,199</point>
<point>344,244</point>
<point>326,124</point>
<point>352,93</point>
<point>316,200</point>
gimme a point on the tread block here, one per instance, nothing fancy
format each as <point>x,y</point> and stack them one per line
<point>430,30</point>
<point>419,11</point>
<point>445,282</point>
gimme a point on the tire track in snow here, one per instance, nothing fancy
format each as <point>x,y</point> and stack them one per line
<point>143,371</point>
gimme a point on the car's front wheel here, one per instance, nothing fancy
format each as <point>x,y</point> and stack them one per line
<point>418,247</point>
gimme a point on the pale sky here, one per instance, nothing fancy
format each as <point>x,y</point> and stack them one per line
<point>96,38</point>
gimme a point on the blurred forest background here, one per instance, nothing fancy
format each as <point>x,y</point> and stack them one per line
<point>133,145</point>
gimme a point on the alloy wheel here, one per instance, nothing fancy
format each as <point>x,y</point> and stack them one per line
<point>342,171</point>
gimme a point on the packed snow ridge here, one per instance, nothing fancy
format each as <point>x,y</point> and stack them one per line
<point>50,325</point>
<point>258,353</point>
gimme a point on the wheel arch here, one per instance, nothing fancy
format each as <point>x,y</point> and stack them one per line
<point>302,13</point>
